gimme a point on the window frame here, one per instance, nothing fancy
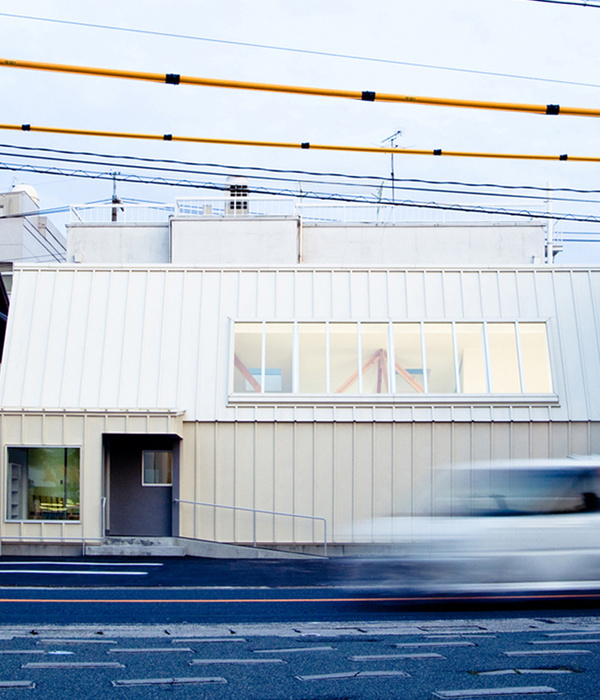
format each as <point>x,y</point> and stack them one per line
<point>486,398</point>
<point>66,521</point>
<point>161,484</point>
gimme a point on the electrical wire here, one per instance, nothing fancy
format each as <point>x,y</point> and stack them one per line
<point>567,2</point>
<point>326,54</point>
<point>270,178</point>
<point>304,145</point>
<point>322,196</point>
<point>364,95</point>
<point>253,168</point>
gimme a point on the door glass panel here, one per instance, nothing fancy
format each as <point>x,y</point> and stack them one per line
<point>157,468</point>
<point>278,357</point>
<point>247,360</point>
<point>343,350</point>
<point>535,358</point>
<point>312,361</point>
<point>504,361</point>
<point>43,483</point>
<point>440,358</point>
<point>374,342</point>
<point>471,358</point>
<point>408,358</point>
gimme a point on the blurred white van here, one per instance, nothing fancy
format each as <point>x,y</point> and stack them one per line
<point>505,525</point>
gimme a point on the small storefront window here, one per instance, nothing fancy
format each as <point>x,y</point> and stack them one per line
<point>157,468</point>
<point>43,483</point>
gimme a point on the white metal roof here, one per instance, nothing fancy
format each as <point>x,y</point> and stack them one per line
<point>158,337</point>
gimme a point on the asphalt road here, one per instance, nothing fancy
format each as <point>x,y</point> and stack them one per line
<point>295,629</point>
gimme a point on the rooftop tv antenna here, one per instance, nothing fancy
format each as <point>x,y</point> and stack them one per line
<point>115,199</point>
<point>392,141</point>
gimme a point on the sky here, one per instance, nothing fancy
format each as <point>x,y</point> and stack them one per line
<point>516,51</point>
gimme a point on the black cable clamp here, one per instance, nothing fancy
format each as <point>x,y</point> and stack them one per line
<point>552,109</point>
<point>437,152</point>
<point>168,137</point>
<point>368,96</point>
<point>26,127</point>
<point>172,78</point>
<point>564,156</point>
<point>306,144</point>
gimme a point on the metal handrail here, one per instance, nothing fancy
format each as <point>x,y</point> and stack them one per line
<point>103,515</point>
<point>254,511</point>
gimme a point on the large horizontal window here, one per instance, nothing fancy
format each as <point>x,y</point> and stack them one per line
<point>425,357</point>
<point>43,483</point>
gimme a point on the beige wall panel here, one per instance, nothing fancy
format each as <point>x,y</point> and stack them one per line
<point>560,434</point>
<point>423,435</point>
<point>402,472</point>
<point>501,448</point>
<point>304,482</point>
<point>244,480</point>
<point>74,430</point>
<point>324,473</point>
<point>363,505</point>
<point>580,438</point>
<point>200,460</point>
<point>225,474</point>
<point>540,440</point>
<point>283,476</point>
<point>384,481</point>
<point>12,429</point>
<point>521,440</point>
<point>33,430</point>
<point>262,454</point>
<point>594,438</point>
<point>343,480</point>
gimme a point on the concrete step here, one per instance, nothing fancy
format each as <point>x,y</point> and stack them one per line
<point>136,547</point>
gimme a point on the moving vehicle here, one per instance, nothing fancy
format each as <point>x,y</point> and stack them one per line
<point>505,525</point>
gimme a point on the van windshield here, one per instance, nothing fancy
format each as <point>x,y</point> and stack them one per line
<point>518,491</point>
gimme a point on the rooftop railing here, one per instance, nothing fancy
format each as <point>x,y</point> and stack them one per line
<point>309,210</point>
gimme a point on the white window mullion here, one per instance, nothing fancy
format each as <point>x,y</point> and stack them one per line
<point>486,352</point>
<point>359,357</point>
<point>456,363</point>
<point>519,357</point>
<point>424,359</point>
<point>263,356</point>
<point>327,359</point>
<point>391,363</point>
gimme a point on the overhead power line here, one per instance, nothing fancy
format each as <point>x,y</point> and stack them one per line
<point>288,49</point>
<point>568,2</point>
<point>322,196</point>
<point>132,162</point>
<point>364,95</point>
<point>228,167</point>
<point>302,145</point>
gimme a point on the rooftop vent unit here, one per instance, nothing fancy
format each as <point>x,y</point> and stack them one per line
<point>238,195</point>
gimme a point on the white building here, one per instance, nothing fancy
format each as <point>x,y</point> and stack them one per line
<point>240,375</point>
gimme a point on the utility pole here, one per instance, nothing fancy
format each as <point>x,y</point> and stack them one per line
<point>392,141</point>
